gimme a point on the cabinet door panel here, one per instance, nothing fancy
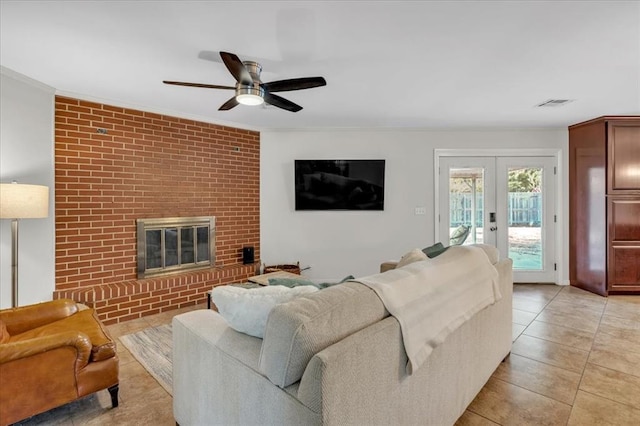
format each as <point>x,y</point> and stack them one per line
<point>624,272</point>
<point>624,157</point>
<point>624,244</point>
<point>624,216</point>
<point>588,255</point>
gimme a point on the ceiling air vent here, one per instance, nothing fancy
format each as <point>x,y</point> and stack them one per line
<point>555,102</point>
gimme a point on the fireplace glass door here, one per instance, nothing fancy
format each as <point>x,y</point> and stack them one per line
<point>169,245</point>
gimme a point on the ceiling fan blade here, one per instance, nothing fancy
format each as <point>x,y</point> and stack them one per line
<point>229,104</point>
<point>236,68</point>
<point>281,102</point>
<point>294,84</point>
<point>206,86</point>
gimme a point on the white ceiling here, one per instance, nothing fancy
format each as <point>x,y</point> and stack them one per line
<point>387,64</point>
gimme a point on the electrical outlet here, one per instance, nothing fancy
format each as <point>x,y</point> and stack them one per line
<point>420,210</point>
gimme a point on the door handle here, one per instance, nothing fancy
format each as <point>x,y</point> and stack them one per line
<point>493,228</point>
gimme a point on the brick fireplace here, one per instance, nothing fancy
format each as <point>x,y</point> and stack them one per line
<point>115,165</point>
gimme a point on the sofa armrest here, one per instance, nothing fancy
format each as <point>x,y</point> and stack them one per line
<point>78,341</point>
<point>18,320</point>
<point>216,378</point>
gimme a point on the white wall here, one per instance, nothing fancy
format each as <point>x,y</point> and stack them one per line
<point>26,155</point>
<point>334,244</point>
<point>339,243</point>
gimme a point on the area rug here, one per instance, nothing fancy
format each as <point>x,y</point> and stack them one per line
<point>152,348</point>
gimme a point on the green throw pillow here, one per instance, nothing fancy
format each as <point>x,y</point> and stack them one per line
<point>434,250</point>
<point>459,235</point>
<point>290,282</point>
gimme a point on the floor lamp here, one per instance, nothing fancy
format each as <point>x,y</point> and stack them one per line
<point>20,201</point>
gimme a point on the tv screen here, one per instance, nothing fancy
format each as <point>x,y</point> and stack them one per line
<point>339,184</point>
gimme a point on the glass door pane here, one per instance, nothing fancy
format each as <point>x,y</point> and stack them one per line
<point>170,247</point>
<point>154,248</point>
<point>466,190</point>
<point>526,195</point>
<point>186,246</point>
<point>203,243</point>
<point>466,205</point>
<point>525,217</point>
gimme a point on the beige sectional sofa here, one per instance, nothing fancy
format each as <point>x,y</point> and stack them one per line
<point>335,356</point>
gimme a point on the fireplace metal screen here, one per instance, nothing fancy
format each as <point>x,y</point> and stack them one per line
<point>172,245</point>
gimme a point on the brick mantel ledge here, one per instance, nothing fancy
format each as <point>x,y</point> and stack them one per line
<point>127,300</point>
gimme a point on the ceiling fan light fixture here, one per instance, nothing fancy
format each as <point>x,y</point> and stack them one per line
<point>250,90</point>
<point>248,99</point>
<point>250,95</point>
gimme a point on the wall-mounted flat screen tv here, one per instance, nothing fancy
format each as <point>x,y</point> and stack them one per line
<point>339,184</point>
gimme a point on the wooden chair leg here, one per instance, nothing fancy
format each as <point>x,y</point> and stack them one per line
<point>113,391</point>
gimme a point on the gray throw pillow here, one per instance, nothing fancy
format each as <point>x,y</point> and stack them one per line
<point>434,250</point>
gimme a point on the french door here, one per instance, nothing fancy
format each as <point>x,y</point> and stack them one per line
<point>508,202</point>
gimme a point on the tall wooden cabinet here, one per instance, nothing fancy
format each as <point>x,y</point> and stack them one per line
<point>604,205</point>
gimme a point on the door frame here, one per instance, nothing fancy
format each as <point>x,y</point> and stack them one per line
<point>495,152</point>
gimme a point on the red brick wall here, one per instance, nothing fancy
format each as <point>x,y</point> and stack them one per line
<point>147,165</point>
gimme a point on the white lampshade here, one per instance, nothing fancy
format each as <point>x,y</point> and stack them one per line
<point>21,201</point>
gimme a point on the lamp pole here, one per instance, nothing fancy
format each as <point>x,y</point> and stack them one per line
<point>14,263</point>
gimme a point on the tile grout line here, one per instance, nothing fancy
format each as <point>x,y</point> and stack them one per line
<point>529,390</point>
<point>602,366</point>
<point>578,387</point>
<point>584,368</point>
<point>542,362</point>
<point>589,351</point>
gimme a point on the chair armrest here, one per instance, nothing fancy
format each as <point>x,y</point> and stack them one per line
<point>78,341</point>
<point>19,320</point>
<point>388,265</point>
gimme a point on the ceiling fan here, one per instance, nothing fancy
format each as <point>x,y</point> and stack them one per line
<point>250,90</point>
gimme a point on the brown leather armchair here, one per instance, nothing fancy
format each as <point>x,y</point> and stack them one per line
<point>52,353</point>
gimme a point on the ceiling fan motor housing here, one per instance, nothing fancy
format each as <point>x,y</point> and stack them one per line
<point>254,69</point>
<point>251,94</point>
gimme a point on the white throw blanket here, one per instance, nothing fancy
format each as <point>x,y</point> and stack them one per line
<point>433,297</point>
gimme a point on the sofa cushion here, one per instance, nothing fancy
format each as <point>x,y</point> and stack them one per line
<point>414,255</point>
<point>85,321</point>
<point>246,309</point>
<point>492,253</point>
<point>299,329</point>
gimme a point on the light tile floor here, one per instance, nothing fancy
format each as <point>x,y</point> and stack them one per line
<point>575,361</point>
